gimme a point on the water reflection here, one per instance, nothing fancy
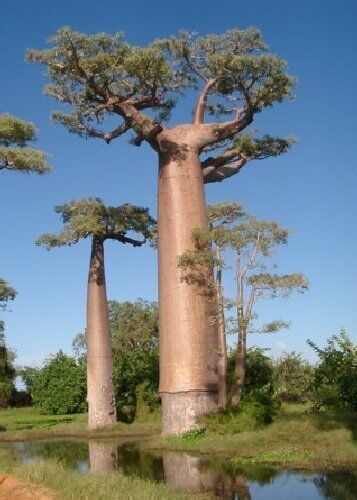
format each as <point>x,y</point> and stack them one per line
<point>102,457</point>
<point>192,474</point>
<point>189,473</point>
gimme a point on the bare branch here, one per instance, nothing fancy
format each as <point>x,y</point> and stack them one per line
<point>253,256</point>
<point>199,114</point>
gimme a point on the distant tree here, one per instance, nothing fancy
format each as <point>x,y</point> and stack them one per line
<point>251,242</point>
<point>6,293</point>
<point>101,77</point>
<point>293,377</point>
<point>135,331</point>
<point>28,375</point>
<point>90,218</point>
<point>335,383</point>
<point>60,386</point>
<point>15,154</point>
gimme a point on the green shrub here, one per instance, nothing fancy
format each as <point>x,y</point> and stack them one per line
<point>293,378</point>
<point>335,381</point>
<point>256,410</point>
<point>60,386</point>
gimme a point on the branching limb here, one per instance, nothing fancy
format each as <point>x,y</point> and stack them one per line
<point>131,241</point>
<point>199,114</point>
<point>219,174</point>
<point>212,133</point>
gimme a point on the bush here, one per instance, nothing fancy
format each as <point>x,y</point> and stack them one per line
<point>60,387</point>
<point>335,381</point>
<point>293,378</point>
<point>256,410</point>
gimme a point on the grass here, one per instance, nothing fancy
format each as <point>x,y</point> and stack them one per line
<point>24,424</point>
<point>297,438</point>
<point>68,485</point>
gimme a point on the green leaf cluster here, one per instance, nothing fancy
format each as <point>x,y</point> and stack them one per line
<point>15,132</point>
<point>135,343</point>
<point>90,217</point>
<point>60,386</point>
<point>335,381</point>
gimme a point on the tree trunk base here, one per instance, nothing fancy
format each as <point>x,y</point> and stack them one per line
<point>180,410</point>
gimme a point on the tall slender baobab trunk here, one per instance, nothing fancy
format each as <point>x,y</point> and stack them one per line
<point>188,339</point>
<point>100,395</point>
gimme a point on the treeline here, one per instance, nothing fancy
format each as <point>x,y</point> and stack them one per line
<point>60,386</point>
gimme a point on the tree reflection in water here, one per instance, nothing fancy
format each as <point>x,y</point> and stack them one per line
<point>188,473</point>
<point>102,457</point>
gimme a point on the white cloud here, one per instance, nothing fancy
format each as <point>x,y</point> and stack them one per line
<point>281,346</point>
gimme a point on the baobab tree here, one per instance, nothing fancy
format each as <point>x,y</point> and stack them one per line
<point>250,242</point>
<point>91,219</point>
<point>101,77</point>
<point>15,154</point>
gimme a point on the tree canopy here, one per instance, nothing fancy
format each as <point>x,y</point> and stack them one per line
<point>6,293</point>
<point>233,233</point>
<point>102,77</point>
<point>88,217</point>
<point>15,154</point>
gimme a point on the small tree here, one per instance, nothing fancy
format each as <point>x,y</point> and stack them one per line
<point>102,77</point>
<point>235,233</point>
<point>15,154</point>
<point>335,384</point>
<point>293,377</point>
<point>60,386</point>
<point>90,218</point>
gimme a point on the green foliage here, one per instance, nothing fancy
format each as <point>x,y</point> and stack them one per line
<point>335,381</point>
<point>15,132</point>
<point>191,436</point>
<point>7,370</point>
<point>6,293</point>
<point>135,341</point>
<point>275,457</point>
<point>239,62</point>
<point>134,327</point>
<point>259,370</point>
<point>103,75</point>
<point>87,217</point>
<point>60,386</point>
<point>256,410</point>
<point>28,375</point>
<point>293,377</point>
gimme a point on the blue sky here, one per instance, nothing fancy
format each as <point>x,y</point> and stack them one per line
<point>311,190</point>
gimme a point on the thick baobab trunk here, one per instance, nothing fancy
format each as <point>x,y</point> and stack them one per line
<point>188,339</point>
<point>222,345</point>
<point>239,370</point>
<point>100,395</point>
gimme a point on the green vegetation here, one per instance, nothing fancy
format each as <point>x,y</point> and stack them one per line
<point>296,438</point>
<point>56,476</point>
<point>238,241</point>
<point>15,154</point>
<point>335,382</point>
<point>60,387</point>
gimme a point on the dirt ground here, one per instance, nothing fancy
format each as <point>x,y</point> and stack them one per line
<point>14,488</point>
